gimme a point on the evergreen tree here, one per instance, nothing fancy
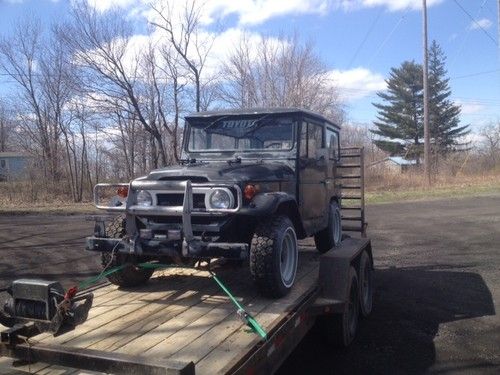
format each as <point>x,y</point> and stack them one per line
<point>444,122</point>
<point>400,116</point>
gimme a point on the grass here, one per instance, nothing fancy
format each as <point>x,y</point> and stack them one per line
<point>439,192</point>
<point>389,188</point>
<point>56,208</point>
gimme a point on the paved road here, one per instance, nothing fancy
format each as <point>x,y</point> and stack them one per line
<point>438,286</point>
<point>437,299</point>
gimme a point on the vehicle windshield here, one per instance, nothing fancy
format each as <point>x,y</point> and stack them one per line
<point>241,133</point>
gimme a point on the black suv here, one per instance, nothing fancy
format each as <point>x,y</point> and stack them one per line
<point>251,183</point>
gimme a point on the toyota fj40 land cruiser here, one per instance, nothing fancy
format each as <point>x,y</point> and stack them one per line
<point>251,183</point>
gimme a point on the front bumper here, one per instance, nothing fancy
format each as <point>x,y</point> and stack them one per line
<point>194,249</point>
<point>176,242</point>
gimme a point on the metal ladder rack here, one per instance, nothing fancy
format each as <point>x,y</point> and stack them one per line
<point>352,175</point>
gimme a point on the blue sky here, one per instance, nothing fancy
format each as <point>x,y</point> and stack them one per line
<point>390,29</point>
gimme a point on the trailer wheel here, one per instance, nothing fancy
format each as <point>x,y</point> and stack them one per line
<point>131,275</point>
<point>340,329</point>
<point>365,284</point>
<point>331,236</point>
<point>274,256</point>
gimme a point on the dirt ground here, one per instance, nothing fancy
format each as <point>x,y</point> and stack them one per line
<point>437,277</point>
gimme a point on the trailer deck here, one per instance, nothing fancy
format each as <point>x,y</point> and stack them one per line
<point>180,322</point>
<point>180,316</point>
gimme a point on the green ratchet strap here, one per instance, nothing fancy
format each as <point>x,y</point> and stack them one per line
<point>249,319</point>
<point>91,281</point>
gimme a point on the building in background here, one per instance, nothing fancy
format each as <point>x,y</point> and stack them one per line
<point>13,165</point>
<point>394,164</point>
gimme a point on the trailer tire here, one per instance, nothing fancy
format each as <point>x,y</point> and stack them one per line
<point>331,236</point>
<point>340,329</point>
<point>274,256</point>
<point>131,275</point>
<point>365,285</point>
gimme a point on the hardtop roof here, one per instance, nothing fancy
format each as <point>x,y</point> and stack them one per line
<point>263,111</point>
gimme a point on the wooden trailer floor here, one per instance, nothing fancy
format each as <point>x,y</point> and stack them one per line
<point>181,315</point>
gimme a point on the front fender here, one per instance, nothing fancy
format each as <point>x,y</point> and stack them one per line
<point>266,203</point>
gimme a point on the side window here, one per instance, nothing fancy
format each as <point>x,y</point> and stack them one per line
<point>303,140</point>
<point>311,139</point>
<point>314,139</point>
<point>3,164</point>
<point>332,142</point>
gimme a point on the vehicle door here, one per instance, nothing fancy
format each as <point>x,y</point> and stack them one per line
<point>333,146</point>
<point>312,175</point>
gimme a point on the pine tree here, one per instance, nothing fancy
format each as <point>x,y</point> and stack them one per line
<point>400,115</point>
<point>400,118</point>
<point>444,122</point>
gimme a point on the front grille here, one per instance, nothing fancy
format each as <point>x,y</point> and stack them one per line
<point>177,199</point>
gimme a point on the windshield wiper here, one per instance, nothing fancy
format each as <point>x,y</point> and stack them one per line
<point>236,160</point>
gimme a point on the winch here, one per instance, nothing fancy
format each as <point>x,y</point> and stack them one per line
<point>45,303</point>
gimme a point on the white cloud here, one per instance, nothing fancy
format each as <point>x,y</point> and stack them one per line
<point>483,23</point>
<point>254,12</point>
<point>395,5</point>
<point>469,106</point>
<point>357,83</point>
<point>104,5</point>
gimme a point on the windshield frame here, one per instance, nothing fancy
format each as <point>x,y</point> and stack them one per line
<point>293,141</point>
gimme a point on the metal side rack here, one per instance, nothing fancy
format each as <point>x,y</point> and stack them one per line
<point>352,166</point>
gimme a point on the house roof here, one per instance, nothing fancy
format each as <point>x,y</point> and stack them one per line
<point>12,155</point>
<point>256,111</point>
<point>401,161</point>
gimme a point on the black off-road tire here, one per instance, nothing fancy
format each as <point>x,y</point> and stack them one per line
<point>331,236</point>
<point>339,330</point>
<point>266,256</point>
<point>131,275</point>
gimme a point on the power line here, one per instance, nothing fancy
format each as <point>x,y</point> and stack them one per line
<point>476,23</point>
<point>388,36</point>
<point>476,74</point>
<point>464,40</point>
<point>366,37</point>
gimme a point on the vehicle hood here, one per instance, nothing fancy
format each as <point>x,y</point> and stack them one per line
<point>225,172</point>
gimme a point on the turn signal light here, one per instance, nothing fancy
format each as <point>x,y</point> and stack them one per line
<point>122,191</point>
<point>250,191</point>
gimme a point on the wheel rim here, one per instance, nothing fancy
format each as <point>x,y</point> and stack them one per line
<point>288,257</point>
<point>337,226</point>
<point>352,313</point>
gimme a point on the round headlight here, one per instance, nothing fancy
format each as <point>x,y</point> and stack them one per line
<point>220,199</point>
<point>143,198</point>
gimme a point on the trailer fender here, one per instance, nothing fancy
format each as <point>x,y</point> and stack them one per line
<point>334,270</point>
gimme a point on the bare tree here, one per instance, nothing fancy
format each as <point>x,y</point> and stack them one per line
<point>6,128</point>
<point>22,59</point>
<point>184,35</point>
<point>113,75</point>
<point>491,143</point>
<point>279,73</point>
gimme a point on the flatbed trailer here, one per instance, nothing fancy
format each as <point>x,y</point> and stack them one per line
<point>182,323</point>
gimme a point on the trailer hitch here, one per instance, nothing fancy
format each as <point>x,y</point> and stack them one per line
<point>45,304</point>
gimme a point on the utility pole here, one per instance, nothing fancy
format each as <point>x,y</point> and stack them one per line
<point>427,138</point>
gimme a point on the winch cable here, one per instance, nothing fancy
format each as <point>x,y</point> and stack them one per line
<point>250,321</point>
